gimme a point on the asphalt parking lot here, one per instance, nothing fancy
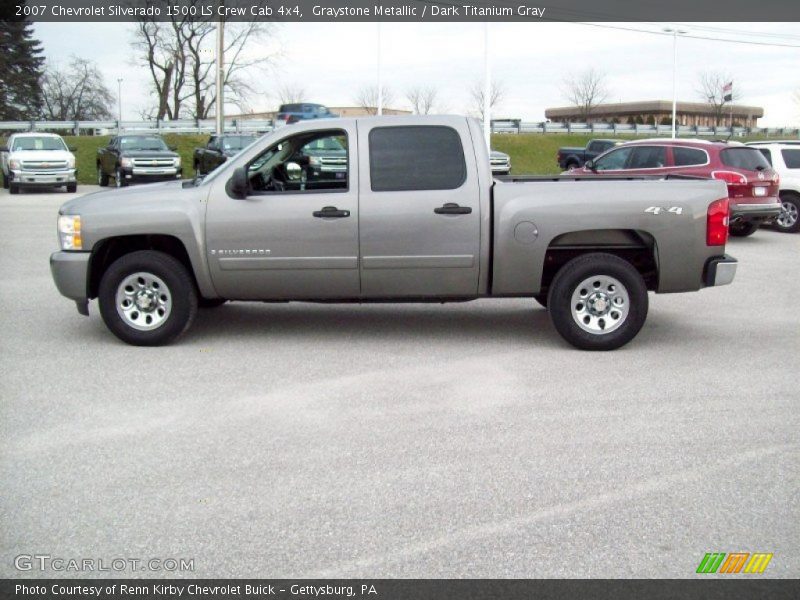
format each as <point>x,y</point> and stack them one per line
<point>463,440</point>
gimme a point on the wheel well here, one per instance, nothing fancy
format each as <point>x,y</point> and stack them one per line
<point>109,250</point>
<point>791,193</point>
<point>636,247</point>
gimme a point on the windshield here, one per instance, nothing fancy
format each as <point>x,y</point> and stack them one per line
<point>142,143</point>
<point>237,142</point>
<point>38,143</point>
<point>326,143</point>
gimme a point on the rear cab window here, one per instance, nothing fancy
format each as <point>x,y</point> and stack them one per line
<point>748,159</point>
<point>426,157</point>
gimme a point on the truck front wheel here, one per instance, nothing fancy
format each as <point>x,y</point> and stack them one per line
<point>102,177</point>
<point>598,301</point>
<point>147,298</point>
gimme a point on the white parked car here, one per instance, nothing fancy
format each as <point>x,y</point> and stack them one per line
<point>37,160</point>
<point>784,156</point>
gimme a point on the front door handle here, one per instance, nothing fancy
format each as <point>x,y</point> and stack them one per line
<point>331,212</point>
<point>451,208</point>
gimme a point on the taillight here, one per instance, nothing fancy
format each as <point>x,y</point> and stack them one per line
<point>776,179</point>
<point>717,223</point>
<point>729,177</point>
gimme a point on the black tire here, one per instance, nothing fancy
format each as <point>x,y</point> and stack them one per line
<point>180,287</point>
<point>789,221</point>
<point>102,177</point>
<point>5,182</point>
<point>570,278</point>
<point>13,188</point>
<point>541,299</point>
<point>72,188</point>
<point>210,302</point>
<point>572,165</point>
<point>197,169</point>
<point>120,178</point>
<point>743,228</point>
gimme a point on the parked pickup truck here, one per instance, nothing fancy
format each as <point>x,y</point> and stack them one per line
<point>131,158</point>
<point>37,160</point>
<point>218,150</point>
<point>573,157</point>
<point>417,217</point>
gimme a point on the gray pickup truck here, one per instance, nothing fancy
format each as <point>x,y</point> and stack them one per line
<point>415,217</point>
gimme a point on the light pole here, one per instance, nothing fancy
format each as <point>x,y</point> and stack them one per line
<point>380,74</point>
<point>675,33</point>
<point>487,89</point>
<point>220,79</point>
<point>119,100</point>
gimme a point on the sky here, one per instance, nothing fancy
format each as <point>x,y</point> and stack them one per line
<point>333,61</point>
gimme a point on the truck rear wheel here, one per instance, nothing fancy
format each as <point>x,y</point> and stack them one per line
<point>147,298</point>
<point>598,301</point>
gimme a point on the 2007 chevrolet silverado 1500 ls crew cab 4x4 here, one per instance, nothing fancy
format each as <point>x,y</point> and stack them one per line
<point>414,217</point>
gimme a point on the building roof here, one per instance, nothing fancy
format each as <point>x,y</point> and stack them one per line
<point>652,106</point>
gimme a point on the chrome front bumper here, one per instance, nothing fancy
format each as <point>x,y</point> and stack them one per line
<point>43,177</point>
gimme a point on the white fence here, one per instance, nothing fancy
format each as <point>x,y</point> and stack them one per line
<point>612,129</point>
<point>208,126</point>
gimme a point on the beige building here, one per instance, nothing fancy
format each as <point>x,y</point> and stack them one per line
<point>660,111</point>
<point>342,111</point>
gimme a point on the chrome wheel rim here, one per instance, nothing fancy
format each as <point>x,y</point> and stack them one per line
<point>788,216</point>
<point>118,178</point>
<point>99,175</point>
<point>143,301</point>
<point>600,304</point>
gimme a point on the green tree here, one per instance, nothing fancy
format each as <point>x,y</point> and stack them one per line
<point>21,64</point>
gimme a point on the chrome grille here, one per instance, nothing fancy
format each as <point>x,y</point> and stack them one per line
<point>43,165</point>
<point>338,163</point>
<point>153,162</point>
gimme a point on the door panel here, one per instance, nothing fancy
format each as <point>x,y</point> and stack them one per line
<point>271,246</point>
<point>408,249</point>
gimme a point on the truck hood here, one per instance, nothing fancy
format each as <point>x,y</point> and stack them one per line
<point>128,197</point>
<point>41,155</point>
<point>497,154</point>
<point>571,149</point>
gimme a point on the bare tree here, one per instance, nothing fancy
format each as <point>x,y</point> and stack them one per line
<point>75,92</point>
<point>497,92</point>
<point>422,99</point>
<point>179,55</point>
<point>585,91</point>
<point>367,98</point>
<point>291,93</point>
<point>711,89</point>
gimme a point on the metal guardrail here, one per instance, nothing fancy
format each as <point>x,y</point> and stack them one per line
<point>612,129</point>
<point>206,126</point>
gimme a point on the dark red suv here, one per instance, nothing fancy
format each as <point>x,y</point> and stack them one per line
<point>752,184</point>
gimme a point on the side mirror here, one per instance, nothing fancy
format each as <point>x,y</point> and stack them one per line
<point>173,148</point>
<point>589,164</point>
<point>72,148</point>
<point>239,184</point>
<point>3,148</point>
<point>293,171</point>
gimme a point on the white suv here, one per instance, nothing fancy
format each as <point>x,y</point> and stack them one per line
<point>37,159</point>
<point>784,156</point>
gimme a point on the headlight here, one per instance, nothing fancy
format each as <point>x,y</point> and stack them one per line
<point>126,162</point>
<point>314,161</point>
<point>177,161</point>
<point>69,232</point>
<point>13,163</point>
<point>71,162</point>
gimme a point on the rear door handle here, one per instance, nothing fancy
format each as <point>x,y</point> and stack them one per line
<point>451,208</point>
<point>331,212</point>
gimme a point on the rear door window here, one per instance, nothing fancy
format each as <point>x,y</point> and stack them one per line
<point>648,157</point>
<point>416,158</point>
<point>748,159</point>
<point>791,158</point>
<point>687,157</point>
